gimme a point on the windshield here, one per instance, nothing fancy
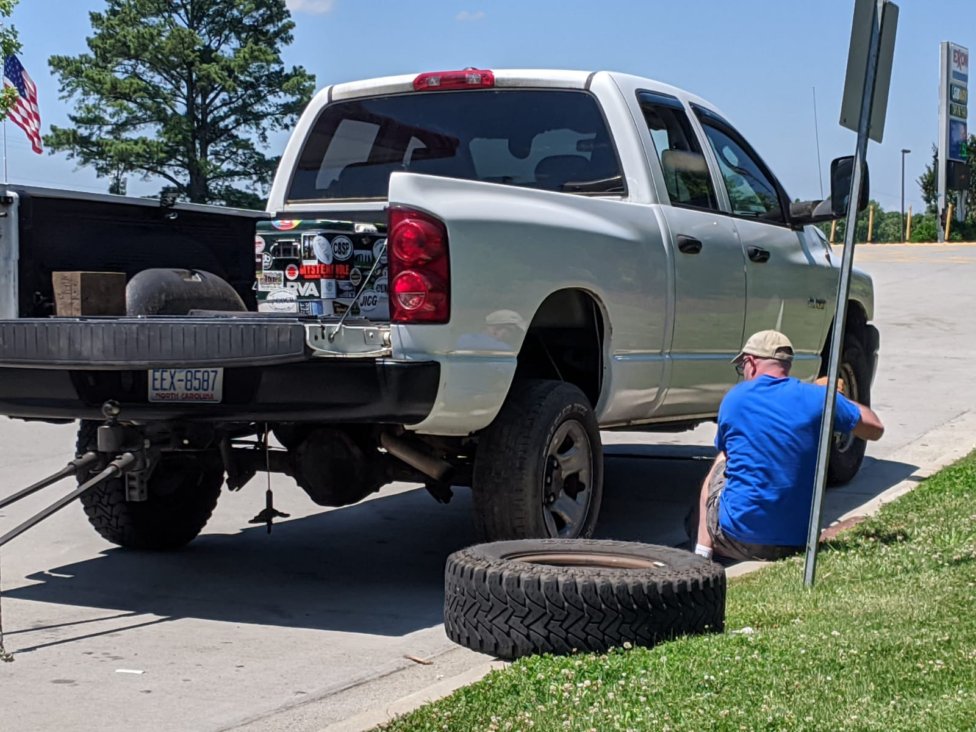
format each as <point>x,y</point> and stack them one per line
<point>548,139</point>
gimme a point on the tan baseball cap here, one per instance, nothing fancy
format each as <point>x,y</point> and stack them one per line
<point>767,344</point>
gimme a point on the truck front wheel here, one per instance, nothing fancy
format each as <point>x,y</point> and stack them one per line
<point>538,472</point>
<point>183,491</point>
<point>847,451</point>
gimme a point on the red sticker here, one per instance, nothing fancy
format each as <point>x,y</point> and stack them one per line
<point>285,224</point>
<point>291,271</point>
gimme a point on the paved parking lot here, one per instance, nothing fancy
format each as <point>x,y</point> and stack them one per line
<point>327,616</point>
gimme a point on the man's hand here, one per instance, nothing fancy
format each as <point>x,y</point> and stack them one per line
<point>822,381</point>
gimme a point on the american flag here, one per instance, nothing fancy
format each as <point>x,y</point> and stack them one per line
<point>24,113</point>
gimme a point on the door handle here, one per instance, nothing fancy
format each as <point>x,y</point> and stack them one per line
<point>688,244</point>
<point>758,254</point>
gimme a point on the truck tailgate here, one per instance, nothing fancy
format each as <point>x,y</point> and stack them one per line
<point>262,368</point>
<point>128,343</point>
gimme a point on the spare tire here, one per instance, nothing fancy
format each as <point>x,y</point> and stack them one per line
<point>517,598</point>
<point>178,291</point>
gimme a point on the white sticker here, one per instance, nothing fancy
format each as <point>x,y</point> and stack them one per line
<point>364,259</point>
<point>258,244</point>
<point>355,277</point>
<point>268,281</point>
<point>266,261</point>
<point>369,301</point>
<point>328,288</point>
<point>291,271</point>
<point>379,247</point>
<point>280,301</point>
<point>304,289</point>
<point>342,248</point>
<point>322,249</point>
<point>381,286</point>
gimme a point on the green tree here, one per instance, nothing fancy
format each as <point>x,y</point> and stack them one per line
<point>928,183</point>
<point>184,90</point>
<point>8,45</point>
<point>887,226</point>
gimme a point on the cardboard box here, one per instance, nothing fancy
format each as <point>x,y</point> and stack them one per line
<point>88,293</point>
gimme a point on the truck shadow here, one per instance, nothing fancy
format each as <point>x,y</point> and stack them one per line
<point>376,567</point>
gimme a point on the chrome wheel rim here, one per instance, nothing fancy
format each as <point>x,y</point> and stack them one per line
<point>567,481</point>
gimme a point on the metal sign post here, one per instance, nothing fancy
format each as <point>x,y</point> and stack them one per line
<point>874,22</point>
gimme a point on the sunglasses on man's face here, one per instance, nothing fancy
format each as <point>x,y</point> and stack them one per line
<point>740,368</point>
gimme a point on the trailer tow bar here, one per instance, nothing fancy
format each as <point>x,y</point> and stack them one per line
<point>110,436</point>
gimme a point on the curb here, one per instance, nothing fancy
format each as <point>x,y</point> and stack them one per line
<point>927,454</point>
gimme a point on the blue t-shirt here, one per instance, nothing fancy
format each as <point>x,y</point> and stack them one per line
<point>769,429</point>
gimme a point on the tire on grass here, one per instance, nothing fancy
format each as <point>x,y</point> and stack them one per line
<point>538,472</point>
<point>517,598</point>
<point>183,491</point>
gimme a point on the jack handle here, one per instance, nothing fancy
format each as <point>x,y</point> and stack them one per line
<point>120,465</point>
<point>73,467</point>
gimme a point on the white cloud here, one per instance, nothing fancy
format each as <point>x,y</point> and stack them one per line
<point>316,7</point>
<point>466,16</point>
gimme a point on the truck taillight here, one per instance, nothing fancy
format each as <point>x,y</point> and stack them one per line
<point>420,274</point>
<point>463,79</point>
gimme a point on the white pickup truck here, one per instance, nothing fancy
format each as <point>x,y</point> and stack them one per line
<point>547,254</point>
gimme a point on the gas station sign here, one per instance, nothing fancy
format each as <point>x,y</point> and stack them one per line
<point>956,96</point>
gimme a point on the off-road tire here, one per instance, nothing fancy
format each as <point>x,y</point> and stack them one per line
<point>183,491</point>
<point>516,598</point>
<point>846,455</point>
<point>510,468</point>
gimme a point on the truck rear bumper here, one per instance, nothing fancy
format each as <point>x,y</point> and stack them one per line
<point>370,390</point>
<point>274,370</point>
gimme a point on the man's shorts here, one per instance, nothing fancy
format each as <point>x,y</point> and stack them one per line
<point>725,545</point>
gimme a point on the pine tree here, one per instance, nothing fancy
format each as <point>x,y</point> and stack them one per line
<point>186,91</point>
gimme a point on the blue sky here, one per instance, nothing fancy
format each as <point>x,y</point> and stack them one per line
<point>757,60</point>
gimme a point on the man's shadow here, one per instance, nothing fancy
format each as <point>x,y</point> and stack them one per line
<point>376,567</point>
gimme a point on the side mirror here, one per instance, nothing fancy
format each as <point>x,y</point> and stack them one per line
<point>841,173</point>
<point>835,207</point>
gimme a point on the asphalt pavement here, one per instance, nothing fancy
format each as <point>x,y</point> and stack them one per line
<point>335,616</point>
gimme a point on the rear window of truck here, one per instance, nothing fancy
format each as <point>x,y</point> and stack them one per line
<point>548,139</point>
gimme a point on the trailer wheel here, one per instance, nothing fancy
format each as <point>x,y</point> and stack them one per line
<point>183,491</point>
<point>538,471</point>
<point>516,598</point>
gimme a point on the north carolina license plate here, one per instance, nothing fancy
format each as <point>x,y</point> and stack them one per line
<point>186,385</point>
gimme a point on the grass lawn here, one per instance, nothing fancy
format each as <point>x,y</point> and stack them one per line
<point>885,641</point>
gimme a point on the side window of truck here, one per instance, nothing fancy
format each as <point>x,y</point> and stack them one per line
<point>752,190</point>
<point>682,162</point>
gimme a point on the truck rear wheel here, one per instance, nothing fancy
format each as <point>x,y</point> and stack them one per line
<point>538,472</point>
<point>183,491</point>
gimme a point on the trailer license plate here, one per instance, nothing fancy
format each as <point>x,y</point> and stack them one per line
<point>186,385</point>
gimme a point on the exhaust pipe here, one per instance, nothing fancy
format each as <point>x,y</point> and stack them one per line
<point>432,467</point>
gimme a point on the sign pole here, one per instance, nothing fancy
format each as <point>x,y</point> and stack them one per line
<point>877,13</point>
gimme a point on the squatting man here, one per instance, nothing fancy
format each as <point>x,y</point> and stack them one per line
<point>755,501</point>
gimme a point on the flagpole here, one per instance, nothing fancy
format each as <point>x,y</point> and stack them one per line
<point>5,178</point>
